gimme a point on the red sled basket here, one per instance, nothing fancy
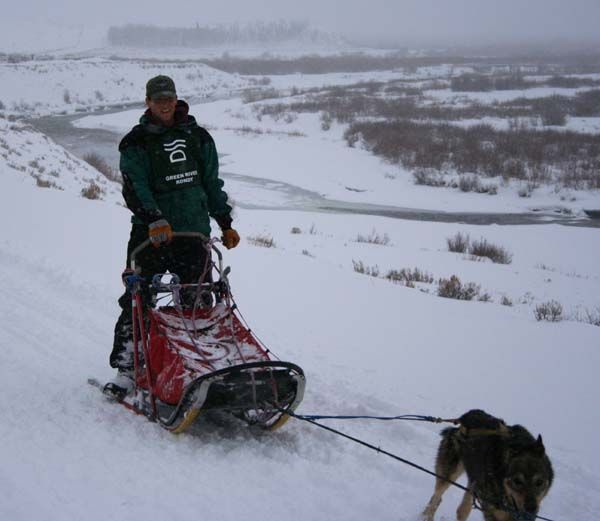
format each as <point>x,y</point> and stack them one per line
<point>190,359</point>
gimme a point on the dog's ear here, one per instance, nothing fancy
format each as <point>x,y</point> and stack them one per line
<point>539,445</point>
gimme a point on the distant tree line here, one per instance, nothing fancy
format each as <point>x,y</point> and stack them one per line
<point>202,36</point>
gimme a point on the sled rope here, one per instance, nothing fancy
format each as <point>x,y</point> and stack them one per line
<point>516,515</point>
<point>410,417</point>
<point>245,322</point>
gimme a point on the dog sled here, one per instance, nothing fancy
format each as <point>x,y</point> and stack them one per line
<point>189,359</point>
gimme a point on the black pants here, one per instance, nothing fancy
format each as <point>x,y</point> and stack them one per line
<point>185,257</point>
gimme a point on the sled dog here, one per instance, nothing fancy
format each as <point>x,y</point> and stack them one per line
<point>507,469</point>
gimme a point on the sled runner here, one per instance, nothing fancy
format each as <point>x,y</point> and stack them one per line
<point>201,356</point>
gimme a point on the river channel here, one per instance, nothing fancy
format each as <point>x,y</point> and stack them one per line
<point>104,143</point>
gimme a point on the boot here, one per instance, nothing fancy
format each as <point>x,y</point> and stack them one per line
<point>121,385</point>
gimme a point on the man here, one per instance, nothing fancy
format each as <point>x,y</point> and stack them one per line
<point>171,184</point>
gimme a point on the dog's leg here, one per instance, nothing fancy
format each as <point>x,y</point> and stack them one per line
<point>441,485</point>
<point>466,505</point>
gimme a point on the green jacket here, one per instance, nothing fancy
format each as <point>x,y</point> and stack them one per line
<point>173,173</point>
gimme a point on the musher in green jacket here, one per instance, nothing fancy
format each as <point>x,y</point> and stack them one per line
<point>171,184</point>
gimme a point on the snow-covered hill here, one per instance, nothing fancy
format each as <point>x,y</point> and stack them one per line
<point>39,161</point>
<point>67,86</point>
<point>367,345</point>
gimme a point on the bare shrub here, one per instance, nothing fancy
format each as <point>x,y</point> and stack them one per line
<point>592,316</point>
<point>513,168</point>
<point>92,191</point>
<point>566,82</point>
<point>99,95</point>
<point>480,150</point>
<point>484,297</point>
<point>374,238</point>
<point>308,254</point>
<point>360,267</point>
<point>253,95</point>
<point>290,117</point>
<point>454,288</point>
<point>471,83</point>
<point>459,243</point>
<point>295,230</point>
<point>472,183</point>
<point>428,177</point>
<point>586,315</point>
<point>551,311</point>
<point>326,120</point>
<point>554,112</point>
<point>313,229</point>
<point>45,183</point>
<point>587,103</point>
<point>67,96</point>
<point>505,301</point>
<point>513,81</point>
<point>264,241</point>
<point>525,191</point>
<point>469,183</point>
<point>96,161</point>
<point>406,276</point>
<point>490,189</point>
<point>2,106</point>
<point>497,254</point>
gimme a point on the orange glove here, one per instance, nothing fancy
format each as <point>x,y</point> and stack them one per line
<point>230,238</point>
<point>160,232</point>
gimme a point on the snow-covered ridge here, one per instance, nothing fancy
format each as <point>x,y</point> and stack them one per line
<point>32,156</point>
<point>67,86</point>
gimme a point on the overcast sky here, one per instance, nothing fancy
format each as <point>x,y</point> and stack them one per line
<point>407,21</point>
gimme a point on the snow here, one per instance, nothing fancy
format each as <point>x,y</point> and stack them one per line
<point>368,346</point>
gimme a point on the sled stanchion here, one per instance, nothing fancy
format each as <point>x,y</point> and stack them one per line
<point>146,353</point>
<point>136,356</point>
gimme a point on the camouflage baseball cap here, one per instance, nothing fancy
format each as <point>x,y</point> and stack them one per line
<point>160,86</point>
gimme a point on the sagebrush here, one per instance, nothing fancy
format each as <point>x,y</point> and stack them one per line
<point>551,311</point>
<point>360,267</point>
<point>454,288</point>
<point>264,241</point>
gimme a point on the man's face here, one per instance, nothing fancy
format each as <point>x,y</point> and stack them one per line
<point>163,108</point>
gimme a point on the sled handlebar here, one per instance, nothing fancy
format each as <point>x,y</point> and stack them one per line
<point>179,235</point>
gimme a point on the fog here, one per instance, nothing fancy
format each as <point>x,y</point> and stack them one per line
<point>406,22</point>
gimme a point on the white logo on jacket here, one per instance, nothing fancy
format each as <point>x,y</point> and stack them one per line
<point>175,148</point>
